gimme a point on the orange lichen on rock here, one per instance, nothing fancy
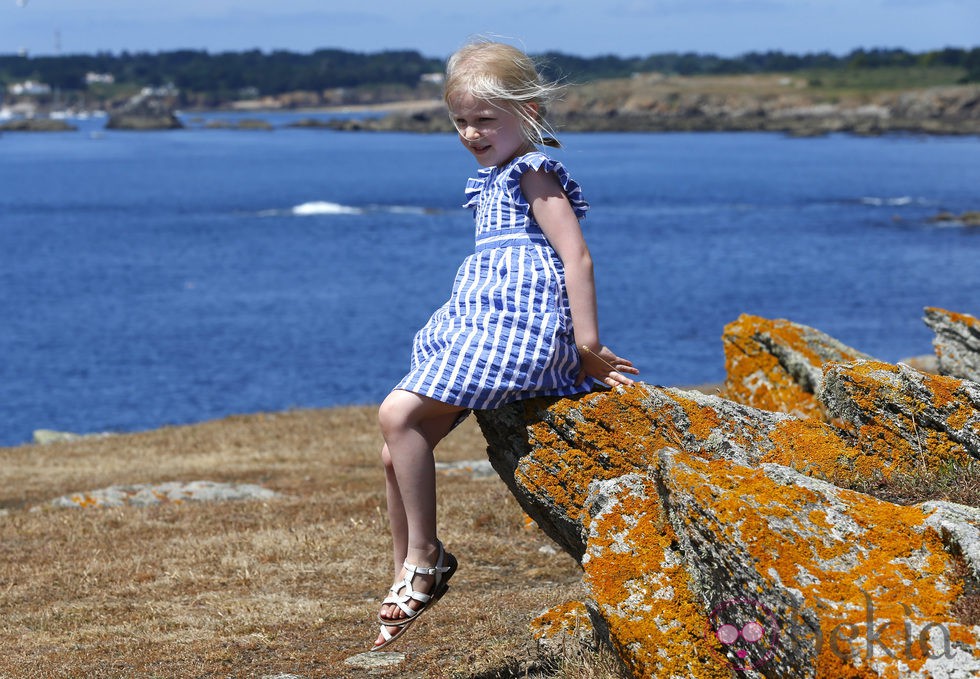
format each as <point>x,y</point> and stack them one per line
<point>912,420</point>
<point>569,619</point>
<point>613,437</point>
<point>965,319</point>
<point>638,581</point>
<point>774,364</point>
<point>817,449</point>
<point>956,344</point>
<point>836,567</point>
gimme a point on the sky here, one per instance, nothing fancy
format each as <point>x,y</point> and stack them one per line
<point>436,29</point>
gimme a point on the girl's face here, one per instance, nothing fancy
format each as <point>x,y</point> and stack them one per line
<point>493,134</point>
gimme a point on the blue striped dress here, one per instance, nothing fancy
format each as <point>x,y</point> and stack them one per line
<point>506,331</point>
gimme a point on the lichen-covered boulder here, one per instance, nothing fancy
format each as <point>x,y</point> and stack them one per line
<point>912,419</point>
<point>549,451</point>
<point>957,342</point>
<point>688,512</point>
<point>833,583</point>
<point>635,573</point>
<point>777,364</point>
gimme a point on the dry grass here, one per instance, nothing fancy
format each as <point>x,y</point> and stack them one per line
<point>250,589</point>
<point>954,482</point>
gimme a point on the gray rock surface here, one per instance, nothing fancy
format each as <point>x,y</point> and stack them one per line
<point>778,364</point>
<point>927,417</point>
<point>957,342</point>
<point>142,495</point>
<point>145,112</point>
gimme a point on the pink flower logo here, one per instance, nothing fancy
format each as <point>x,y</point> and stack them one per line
<point>744,632</point>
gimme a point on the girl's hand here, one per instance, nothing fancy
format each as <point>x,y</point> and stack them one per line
<point>602,365</point>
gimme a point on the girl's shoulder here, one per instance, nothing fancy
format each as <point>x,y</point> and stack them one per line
<point>538,161</point>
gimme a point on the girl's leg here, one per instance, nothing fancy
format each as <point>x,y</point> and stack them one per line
<point>397,522</point>
<point>412,425</point>
<point>434,430</point>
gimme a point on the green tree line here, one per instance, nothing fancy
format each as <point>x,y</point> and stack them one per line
<point>276,72</point>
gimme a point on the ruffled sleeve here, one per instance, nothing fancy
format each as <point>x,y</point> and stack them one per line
<point>474,187</point>
<point>539,161</point>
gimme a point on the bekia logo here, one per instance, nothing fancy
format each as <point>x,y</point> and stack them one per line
<point>744,632</point>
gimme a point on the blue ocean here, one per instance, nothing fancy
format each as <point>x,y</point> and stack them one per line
<point>155,278</point>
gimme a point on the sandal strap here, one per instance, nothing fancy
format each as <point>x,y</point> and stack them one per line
<point>425,570</point>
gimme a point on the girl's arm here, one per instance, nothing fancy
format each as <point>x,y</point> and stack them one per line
<point>557,220</point>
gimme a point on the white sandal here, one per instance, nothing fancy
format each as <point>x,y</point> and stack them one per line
<point>390,638</point>
<point>444,569</point>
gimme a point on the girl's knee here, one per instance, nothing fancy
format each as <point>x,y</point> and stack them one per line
<point>393,413</point>
<point>386,456</point>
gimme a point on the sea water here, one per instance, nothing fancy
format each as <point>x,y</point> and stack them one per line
<point>152,278</point>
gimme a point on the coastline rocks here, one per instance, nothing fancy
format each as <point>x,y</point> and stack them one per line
<point>971,218</point>
<point>679,105</point>
<point>243,124</point>
<point>673,105</point>
<point>777,364</point>
<point>424,122</point>
<point>912,418</point>
<point>957,342</point>
<point>718,538</point>
<point>145,112</point>
<point>37,125</point>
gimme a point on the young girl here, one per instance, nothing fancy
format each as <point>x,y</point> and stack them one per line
<point>521,320</point>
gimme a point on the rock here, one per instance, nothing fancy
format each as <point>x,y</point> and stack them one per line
<point>777,364</point>
<point>254,124</point>
<point>315,123</point>
<point>474,469</point>
<point>145,112</point>
<point>418,121</point>
<point>959,527</point>
<point>913,419</point>
<point>549,452</point>
<point>37,125</point>
<point>46,436</point>
<point>641,598</point>
<point>694,516</point>
<point>243,124</point>
<point>971,218</point>
<point>142,495</point>
<point>836,580</point>
<point>375,660</point>
<point>957,342</point>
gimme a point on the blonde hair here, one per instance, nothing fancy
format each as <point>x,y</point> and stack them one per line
<point>505,76</point>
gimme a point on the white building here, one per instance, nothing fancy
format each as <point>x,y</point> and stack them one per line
<point>99,78</point>
<point>30,88</point>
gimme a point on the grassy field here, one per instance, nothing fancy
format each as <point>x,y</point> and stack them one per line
<point>262,589</point>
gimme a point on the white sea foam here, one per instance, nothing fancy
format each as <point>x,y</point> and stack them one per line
<point>405,209</point>
<point>892,202</point>
<point>322,207</point>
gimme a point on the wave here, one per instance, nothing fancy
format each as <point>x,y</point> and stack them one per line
<point>323,207</point>
<point>891,202</point>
